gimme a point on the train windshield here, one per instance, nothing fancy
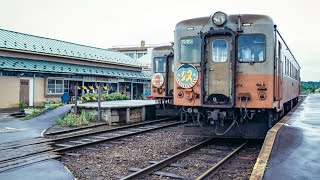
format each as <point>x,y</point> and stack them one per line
<point>190,49</point>
<point>159,64</point>
<point>252,48</point>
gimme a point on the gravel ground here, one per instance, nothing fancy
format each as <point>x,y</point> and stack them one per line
<point>111,160</point>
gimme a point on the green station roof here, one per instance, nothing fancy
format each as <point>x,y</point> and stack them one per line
<point>21,64</point>
<point>35,44</point>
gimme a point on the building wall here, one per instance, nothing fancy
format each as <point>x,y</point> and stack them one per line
<point>39,93</point>
<point>10,92</point>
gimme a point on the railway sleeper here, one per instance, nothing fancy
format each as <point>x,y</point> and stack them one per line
<point>162,174</point>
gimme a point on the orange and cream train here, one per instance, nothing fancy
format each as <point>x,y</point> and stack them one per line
<point>235,76</point>
<point>162,74</point>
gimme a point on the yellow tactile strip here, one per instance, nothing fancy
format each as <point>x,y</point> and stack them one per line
<point>262,160</point>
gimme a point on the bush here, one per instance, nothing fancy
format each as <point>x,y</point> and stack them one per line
<point>117,96</point>
<point>109,97</point>
<point>72,119</point>
<point>22,104</point>
<point>53,106</point>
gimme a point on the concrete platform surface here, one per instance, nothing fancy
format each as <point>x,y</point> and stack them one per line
<point>296,150</point>
<point>12,129</point>
<point>119,104</point>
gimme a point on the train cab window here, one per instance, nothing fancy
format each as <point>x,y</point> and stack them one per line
<point>219,50</point>
<point>190,49</point>
<point>252,48</point>
<point>159,64</point>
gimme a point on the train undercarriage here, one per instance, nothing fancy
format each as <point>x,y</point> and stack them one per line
<point>232,123</point>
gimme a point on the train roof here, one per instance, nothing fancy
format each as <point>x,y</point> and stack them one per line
<point>163,48</point>
<point>233,18</point>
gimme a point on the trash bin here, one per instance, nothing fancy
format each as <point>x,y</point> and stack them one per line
<point>65,97</point>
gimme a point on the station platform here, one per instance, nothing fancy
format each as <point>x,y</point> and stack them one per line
<point>294,152</point>
<point>118,104</point>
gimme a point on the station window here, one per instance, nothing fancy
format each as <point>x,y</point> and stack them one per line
<point>54,86</point>
<point>220,50</point>
<point>159,64</point>
<point>66,86</point>
<point>141,54</point>
<point>130,55</point>
<point>252,48</point>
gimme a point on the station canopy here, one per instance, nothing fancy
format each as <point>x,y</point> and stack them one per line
<point>34,44</point>
<point>29,65</point>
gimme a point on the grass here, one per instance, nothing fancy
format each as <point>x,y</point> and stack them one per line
<point>35,112</point>
<point>53,106</point>
<point>39,110</point>
<point>74,120</point>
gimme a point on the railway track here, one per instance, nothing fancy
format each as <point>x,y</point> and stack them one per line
<point>73,142</point>
<point>22,153</point>
<point>171,162</point>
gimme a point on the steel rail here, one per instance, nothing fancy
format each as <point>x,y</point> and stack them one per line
<point>98,125</point>
<point>114,138</point>
<point>24,143</point>
<point>150,169</point>
<point>210,172</point>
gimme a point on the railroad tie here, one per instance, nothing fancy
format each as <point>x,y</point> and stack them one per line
<point>160,173</point>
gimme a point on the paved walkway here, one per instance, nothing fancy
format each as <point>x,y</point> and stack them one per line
<point>12,129</point>
<point>296,152</point>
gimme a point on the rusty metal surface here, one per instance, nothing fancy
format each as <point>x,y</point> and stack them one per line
<point>231,18</point>
<point>295,154</point>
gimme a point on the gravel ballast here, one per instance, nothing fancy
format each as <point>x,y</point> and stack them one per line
<point>112,160</point>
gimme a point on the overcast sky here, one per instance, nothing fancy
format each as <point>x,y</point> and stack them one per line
<point>105,23</point>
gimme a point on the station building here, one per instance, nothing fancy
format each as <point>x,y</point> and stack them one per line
<point>36,69</point>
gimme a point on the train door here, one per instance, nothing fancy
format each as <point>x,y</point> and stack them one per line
<point>219,72</point>
<point>170,76</point>
<point>278,77</point>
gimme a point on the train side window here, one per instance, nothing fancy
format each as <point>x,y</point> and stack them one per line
<point>159,64</point>
<point>220,50</point>
<point>285,65</point>
<point>252,48</point>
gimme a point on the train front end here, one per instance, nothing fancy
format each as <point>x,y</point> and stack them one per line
<point>224,74</point>
<point>162,74</point>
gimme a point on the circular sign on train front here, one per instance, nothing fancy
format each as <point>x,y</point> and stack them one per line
<point>187,76</point>
<point>157,80</point>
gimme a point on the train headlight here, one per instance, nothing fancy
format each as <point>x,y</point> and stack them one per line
<point>219,18</point>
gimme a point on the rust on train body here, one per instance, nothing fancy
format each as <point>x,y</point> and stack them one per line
<point>233,69</point>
